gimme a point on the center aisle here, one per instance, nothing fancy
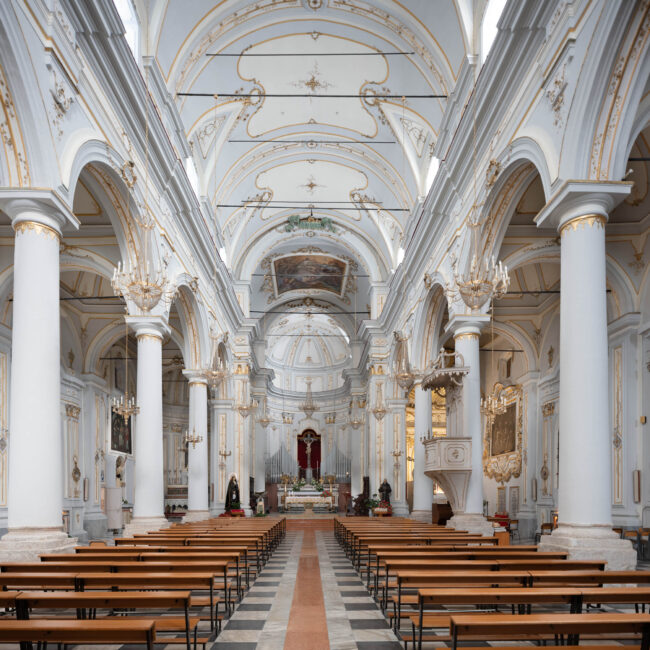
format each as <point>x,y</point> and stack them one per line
<point>308,597</point>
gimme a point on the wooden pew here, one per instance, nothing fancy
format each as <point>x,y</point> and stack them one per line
<point>491,596</point>
<point>89,600</point>
<point>72,632</point>
<point>495,627</point>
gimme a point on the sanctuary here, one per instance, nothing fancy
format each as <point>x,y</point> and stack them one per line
<point>310,258</point>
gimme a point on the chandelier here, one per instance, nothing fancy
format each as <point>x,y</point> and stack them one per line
<point>485,279</point>
<point>264,420</point>
<point>124,405</point>
<point>192,439</point>
<point>379,411</point>
<point>403,373</point>
<point>245,407</point>
<point>138,283</point>
<point>217,371</point>
<point>308,406</point>
<point>491,406</point>
<point>356,418</point>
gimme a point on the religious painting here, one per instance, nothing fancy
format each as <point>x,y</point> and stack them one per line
<point>120,433</point>
<point>502,443</point>
<point>503,439</point>
<point>303,272</point>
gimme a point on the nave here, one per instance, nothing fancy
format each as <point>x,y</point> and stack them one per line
<point>320,584</point>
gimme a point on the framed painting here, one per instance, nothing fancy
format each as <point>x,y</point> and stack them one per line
<point>502,443</point>
<point>309,272</point>
<point>121,434</point>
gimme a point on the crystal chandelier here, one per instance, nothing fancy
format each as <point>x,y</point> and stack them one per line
<point>217,371</point>
<point>308,406</point>
<point>379,411</point>
<point>403,373</point>
<point>139,282</point>
<point>124,405</point>
<point>264,419</point>
<point>484,280</point>
<point>245,408</point>
<point>356,418</point>
<point>192,439</point>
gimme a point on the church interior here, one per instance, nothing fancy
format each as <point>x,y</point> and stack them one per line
<point>313,312</point>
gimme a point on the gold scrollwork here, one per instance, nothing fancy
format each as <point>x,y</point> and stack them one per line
<point>548,409</point>
<point>38,228</point>
<point>503,467</point>
<point>582,221</point>
<point>145,336</point>
<point>72,411</point>
<point>466,335</point>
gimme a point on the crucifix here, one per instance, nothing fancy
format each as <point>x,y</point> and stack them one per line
<point>309,440</point>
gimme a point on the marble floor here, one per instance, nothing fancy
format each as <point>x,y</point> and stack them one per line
<point>308,597</point>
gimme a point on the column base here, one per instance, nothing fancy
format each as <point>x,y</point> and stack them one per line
<point>591,543</point>
<point>400,509</point>
<point>141,525</point>
<point>474,523</point>
<point>26,544</point>
<point>421,515</point>
<point>196,515</point>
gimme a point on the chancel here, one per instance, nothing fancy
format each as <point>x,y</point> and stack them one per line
<point>311,308</point>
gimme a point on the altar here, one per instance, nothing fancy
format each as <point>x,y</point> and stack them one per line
<point>308,498</point>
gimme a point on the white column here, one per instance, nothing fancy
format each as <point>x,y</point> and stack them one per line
<point>35,441</point>
<point>149,490</point>
<point>585,481</point>
<point>422,484</point>
<point>260,452</point>
<point>223,415</point>
<point>197,465</point>
<point>395,470</point>
<point>466,335</point>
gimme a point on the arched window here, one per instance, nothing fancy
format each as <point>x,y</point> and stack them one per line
<point>491,17</point>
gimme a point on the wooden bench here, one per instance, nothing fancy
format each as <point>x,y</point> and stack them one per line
<point>505,627</point>
<point>87,604</point>
<point>72,632</point>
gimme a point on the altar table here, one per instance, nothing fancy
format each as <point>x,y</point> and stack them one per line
<point>305,499</point>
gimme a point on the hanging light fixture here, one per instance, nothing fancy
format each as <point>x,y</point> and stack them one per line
<point>485,279</point>
<point>491,406</point>
<point>308,406</point>
<point>217,371</point>
<point>403,373</point>
<point>356,417</point>
<point>379,411</point>
<point>264,419</point>
<point>245,407</point>
<point>138,282</point>
<point>125,405</point>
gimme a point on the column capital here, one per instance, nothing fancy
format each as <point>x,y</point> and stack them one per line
<point>196,376</point>
<point>154,326</point>
<point>577,198</point>
<point>470,324</point>
<point>43,207</point>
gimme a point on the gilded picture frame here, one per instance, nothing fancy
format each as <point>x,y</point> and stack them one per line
<point>502,443</point>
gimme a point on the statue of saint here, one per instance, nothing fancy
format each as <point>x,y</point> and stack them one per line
<point>384,491</point>
<point>232,494</point>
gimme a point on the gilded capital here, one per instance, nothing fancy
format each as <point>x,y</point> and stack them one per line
<point>37,228</point>
<point>583,221</point>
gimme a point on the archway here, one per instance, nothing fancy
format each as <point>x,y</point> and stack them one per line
<point>309,455</point>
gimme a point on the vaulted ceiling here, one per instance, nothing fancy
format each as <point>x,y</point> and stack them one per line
<point>348,169</point>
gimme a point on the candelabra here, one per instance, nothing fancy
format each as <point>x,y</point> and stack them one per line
<point>379,411</point>
<point>224,454</point>
<point>192,439</point>
<point>308,406</point>
<point>287,418</point>
<point>491,406</point>
<point>330,418</point>
<point>125,406</point>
